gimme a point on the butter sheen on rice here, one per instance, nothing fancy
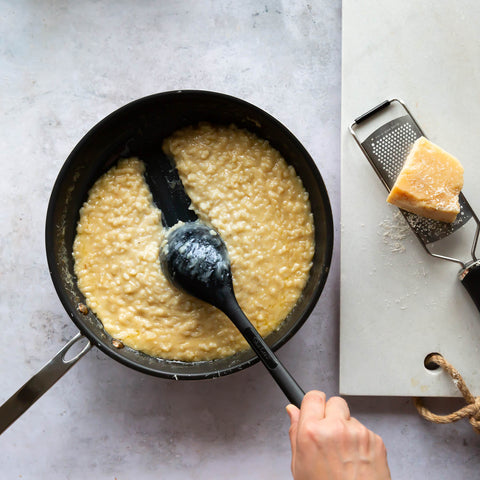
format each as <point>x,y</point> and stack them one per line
<point>244,188</point>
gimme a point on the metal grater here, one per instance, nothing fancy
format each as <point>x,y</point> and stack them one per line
<point>387,149</point>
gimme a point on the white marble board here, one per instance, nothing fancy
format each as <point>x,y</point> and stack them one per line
<point>398,304</point>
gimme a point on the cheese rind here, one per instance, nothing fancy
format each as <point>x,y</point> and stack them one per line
<point>429,183</point>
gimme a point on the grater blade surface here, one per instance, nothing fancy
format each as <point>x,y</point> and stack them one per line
<point>387,149</point>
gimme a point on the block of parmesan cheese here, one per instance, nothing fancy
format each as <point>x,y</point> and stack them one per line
<point>429,183</point>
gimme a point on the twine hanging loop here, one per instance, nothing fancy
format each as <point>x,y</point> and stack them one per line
<point>470,411</point>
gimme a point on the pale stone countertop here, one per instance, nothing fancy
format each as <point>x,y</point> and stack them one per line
<point>63,67</point>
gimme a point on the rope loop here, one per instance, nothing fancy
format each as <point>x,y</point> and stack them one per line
<point>470,411</point>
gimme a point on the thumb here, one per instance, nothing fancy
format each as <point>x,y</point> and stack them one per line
<point>294,414</point>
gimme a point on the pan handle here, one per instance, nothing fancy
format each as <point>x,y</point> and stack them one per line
<point>27,395</point>
<point>470,278</point>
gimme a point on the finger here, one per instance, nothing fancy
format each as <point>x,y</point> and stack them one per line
<point>294,414</point>
<point>312,409</point>
<point>379,447</point>
<point>365,438</point>
<point>337,407</point>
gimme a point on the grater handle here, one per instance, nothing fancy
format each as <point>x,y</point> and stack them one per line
<point>470,278</point>
<point>372,111</point>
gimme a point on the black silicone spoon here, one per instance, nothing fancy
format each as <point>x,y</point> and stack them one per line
<point>195,260</point>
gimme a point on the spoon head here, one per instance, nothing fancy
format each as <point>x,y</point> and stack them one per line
<point>195,259</point>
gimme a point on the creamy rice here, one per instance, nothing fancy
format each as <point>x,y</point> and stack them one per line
<point>239,184</point>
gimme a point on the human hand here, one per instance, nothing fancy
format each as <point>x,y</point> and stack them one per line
<point>327,443</point>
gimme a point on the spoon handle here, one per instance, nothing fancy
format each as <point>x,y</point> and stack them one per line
<point>281,375</point>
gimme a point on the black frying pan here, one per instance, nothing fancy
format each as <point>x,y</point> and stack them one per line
<point>132,130</point>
